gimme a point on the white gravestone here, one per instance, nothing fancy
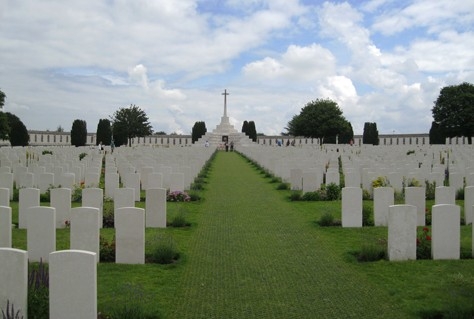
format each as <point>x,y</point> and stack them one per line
<point>296,179</point>
<point>61,200</point>
<point>155,180</point>
<point>111,183</point>
<point>5,227</point>
<point>383,199</point>
<point>41,233</point>
<point>14,280</point>
<point>130,235</point>
<point>445,195</point>
<point>28,197</point>
<point>72,284</point>
<point>351,207</point>
<point>402,220</point>
<point>446,232</point>
<point>6,181</point>
<point>416,196</point>
<point>155,209</point>
<point>124,197</point>
<point>4,197</point>
<point>177,182</point>
<point>468,204</point>
<point>93,197</point>
<point>85,229</point>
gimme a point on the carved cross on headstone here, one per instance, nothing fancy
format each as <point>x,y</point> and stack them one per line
<point>225,101</point>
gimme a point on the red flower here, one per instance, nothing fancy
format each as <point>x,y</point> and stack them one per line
<point>428,237</point>
<point>426,229</point>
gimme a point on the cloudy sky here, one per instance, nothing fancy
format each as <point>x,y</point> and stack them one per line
<point>382,61</point>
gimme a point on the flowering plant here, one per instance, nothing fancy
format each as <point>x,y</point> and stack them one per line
<point>423,244</point>
<point>67,223</point>
<point>177,196</point>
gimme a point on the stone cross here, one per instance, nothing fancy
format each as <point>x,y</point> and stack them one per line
<point>225,101</point>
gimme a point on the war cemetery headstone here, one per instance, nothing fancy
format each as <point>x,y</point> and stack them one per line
<point>402,220</point>
<point>177,182</point>
<point>85,229</point>
<point>416,196</point>
<point>470,179</point>
<point>332,177</point>
<point>130,235</point>
<point>26,180</point>
<point>155,180</point>
<point>72,284</point>
<point>14,279</point>
<point>92,179</point>
<point>132,180</point>
<point>351,207</point>
<point>93,197</point>
<point>468,204</point>
<point>296,179</point>
<point>111,183</point>
<point>456,181</point>
<point>5,226</point>
<point>352,178</point>
<point>67,180</point>
<point>57,171</point>
<point>4,197</point>
<point>145,175</point>
<point>155,209</point>
<point>41,232</point>
<point>46,181</point>
<point>445,195</point>
<point>28,197</point>
<point>311,182</point>
<point>6,181</point>
<point>124,197</point>
<point>383,199</point>
<point>61,200</point>
<point>446,232</point>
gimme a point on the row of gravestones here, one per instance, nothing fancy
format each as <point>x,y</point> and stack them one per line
<point>130,222</point>
<point>351,210</point>
<point>85,222</point>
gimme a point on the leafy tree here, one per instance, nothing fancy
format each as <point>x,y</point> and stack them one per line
<point>252,131</point>
<point>245,127</point>
<point>371,134</point>
<point>104,132</point>
<point>454,110</point>
<point>18,134</point>
<point>160,133</point>
<point>318,119</point>
<point>4,128</point>
<point>79,133</point>
<point>436,134</point>
<point>60,129</point>
<point>199,129</point>
<point>128,123</point>
<point>346,135</point>
<point>2,99</point>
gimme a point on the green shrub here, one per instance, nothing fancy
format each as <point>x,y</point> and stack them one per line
<point>11,313</point>
<point>399,196</point>
<point>108,220</point>
<point>430,189</point>
<point>371,252</point>
<point>179,219</point>
<point>275,179</point>
<point>333,192</point>
<point>367,215</point>
<point>163,250</point>
<point>45,152</point>
<point>311,196</point>
<point>38,292</point>
<point>82,155</point>
<point>460,194</point>
<point>107,250</point>
<point>380,181</point>
<point>194,196</point>
<point>366,195</point>
<point>283,186</point>
<point>295,196</point>
<point>328,220</point>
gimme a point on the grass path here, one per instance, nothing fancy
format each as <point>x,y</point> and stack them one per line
<point>252,256</point>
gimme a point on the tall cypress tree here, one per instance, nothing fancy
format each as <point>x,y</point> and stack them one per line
<point>79,133</point>
<point>245,128</point>
<point>199,129</point>
<point>252,131</point>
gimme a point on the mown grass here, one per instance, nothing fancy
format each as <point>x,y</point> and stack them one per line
<point>251,253</point>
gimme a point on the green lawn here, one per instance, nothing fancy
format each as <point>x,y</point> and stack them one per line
<point>251,253</point>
